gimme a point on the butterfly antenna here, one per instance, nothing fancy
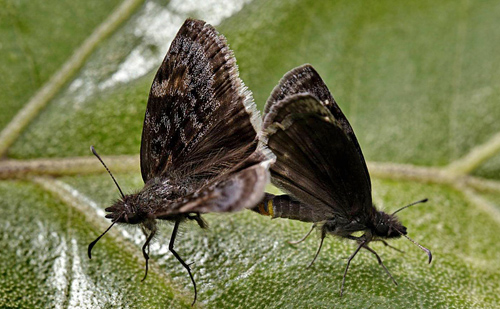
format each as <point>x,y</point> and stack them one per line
<point>419,245</point>
<point>92,244</point>
<point>116,183</point>
<point>414,203</point>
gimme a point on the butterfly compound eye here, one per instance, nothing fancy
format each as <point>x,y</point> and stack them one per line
<point>382,229</point>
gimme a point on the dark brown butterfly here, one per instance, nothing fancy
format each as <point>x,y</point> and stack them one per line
<point>320,164</point>
<point>199,152</point>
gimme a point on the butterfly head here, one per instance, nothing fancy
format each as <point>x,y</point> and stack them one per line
<point>126,210</point>
<point>388,226</point>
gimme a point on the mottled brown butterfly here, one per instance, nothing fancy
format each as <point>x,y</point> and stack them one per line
<point>199,152</point>
<point>320,164</point>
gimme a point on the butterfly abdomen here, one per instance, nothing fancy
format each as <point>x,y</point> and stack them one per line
<point>283,206</point>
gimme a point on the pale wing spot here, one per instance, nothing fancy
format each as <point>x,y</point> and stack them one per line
<point>165,121</point>
<point>159,89</point>
<point>194,119</point>
<point>177,120</point>
<point>183,137</point>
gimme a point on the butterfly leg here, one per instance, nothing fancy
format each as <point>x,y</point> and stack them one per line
<point>323,235</point>
<point>361,245</point>
<point>294,242</point>
<point>197,217</point>
<point>146,246</point>
<point>171,248</point>
<point>387,245</point>
<point>380,262</point>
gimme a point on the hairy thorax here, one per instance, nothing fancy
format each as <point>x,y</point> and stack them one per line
<point>157,194</point>
<point>380,225</point>
<point>343,227</point>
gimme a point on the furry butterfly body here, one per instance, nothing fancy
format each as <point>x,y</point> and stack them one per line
<point>320,164</point>
<point>199,150</point>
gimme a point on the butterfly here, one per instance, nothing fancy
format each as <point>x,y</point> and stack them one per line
<point>199,151</point>
<point>320,164</point>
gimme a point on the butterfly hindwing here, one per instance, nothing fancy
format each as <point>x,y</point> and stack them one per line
<point>199,119</point>
<point>316,161</point>
<point>235,191</point>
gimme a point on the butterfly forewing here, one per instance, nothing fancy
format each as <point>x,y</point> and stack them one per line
<point>301,79</point>
<point>198,120</point>
<point>317,162</point>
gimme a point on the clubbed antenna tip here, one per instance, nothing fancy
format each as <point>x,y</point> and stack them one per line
<point>414,203</point>
<point>92,244</point>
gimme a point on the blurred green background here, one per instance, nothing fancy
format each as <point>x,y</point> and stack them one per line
<point>419,81</point>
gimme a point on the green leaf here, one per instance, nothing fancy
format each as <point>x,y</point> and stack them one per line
<point>491,169</point>
<point>419,82</point>
<point>37,37</point>
<point>44,258</point>
<point>245,255</point>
